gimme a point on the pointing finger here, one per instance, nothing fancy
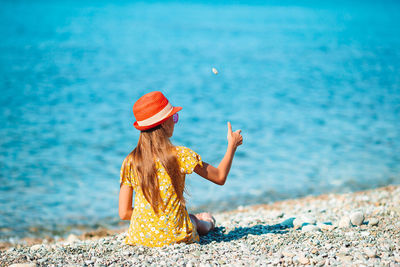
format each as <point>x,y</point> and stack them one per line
<point>229,127</point>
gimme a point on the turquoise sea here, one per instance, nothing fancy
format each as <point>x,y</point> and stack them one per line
<point>314,86</point>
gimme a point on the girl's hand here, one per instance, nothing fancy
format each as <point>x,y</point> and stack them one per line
<point>218,175</point>
<point>235,139</point>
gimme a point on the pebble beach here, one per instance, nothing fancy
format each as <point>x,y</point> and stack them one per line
<point>354,229</point>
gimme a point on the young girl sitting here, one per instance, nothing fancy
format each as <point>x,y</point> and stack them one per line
<point>156,170</point>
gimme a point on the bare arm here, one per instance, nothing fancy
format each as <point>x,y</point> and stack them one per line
<point>125,202</point>
<point>218,175</point>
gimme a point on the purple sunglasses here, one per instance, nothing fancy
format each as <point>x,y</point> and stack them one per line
<point>175,117</point>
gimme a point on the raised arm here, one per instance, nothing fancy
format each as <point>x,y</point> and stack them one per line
<point>218,175</point>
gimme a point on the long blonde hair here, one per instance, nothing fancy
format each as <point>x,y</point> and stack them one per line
<point>155,144</point>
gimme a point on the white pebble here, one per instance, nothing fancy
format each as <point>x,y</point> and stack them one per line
<point>297,223</point>
<point>397,258</point>
<point>365,233</point>
<point>72,238</point>
<point>324,226</point>
<point>350,234</point>
<point>303,260</point>
<point>215,71</point>
<point>36,247</point>
<point>288,254</point>
<point>344,222</point>
<point>357,218</point>
<point>373,222</point>
<point>310,228</point>
<point>371,252</point>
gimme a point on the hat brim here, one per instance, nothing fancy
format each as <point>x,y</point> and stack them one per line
<point>144,128</point>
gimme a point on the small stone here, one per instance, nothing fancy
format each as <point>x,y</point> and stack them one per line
<point>36,247</point>
<point>357,218</point>
<point>89,262</point>
<point>215,71</point>
<point>310,228</point>
<point>303,260</point>
<point>72,238</point>
<point>360,256</point>
<point>324,226</point>
<point>23,265</point>
<point>288,254</point>
<point>373,222</point>
<point>40,261</point>
<point>344,222</point>
<point>350,234</point>
<point>297,223</point>
<point>365,233</point>
<point>397,258</point>
<point>371,252</point>
<point>345,257</point>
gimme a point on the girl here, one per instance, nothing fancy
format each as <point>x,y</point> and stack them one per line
<point>156,170</point>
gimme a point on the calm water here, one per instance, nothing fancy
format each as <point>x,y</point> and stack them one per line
<point>315,89</point>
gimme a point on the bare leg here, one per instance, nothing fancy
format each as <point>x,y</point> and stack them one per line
<point>204,222</point>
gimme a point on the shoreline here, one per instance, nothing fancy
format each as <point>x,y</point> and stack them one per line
<point>361,227</point>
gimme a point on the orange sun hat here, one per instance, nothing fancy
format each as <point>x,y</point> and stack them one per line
<point>151,110</point>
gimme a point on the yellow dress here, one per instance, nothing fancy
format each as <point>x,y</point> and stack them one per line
<point>170,226</point>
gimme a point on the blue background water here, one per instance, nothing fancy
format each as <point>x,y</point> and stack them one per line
<point>315,88</point>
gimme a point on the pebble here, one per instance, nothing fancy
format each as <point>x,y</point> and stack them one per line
<point>371,252</point>
<point>72,238</point>
<point>215,71</point>
<point>325,226</point>
<point>303,260</point>
<point>310,228</point>
<point>365,233</point>
<point>36,247</point>
<point>297,223</point>
<point>288,254</point>
<point>41,260</point>
<point>262,239</point>
<point>397,258</point>
<point>357,218</point>
<point>344,222</point>
<point>345,257</point>
<point>373,222</point>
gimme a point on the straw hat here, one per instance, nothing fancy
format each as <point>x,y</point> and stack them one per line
<point>151,110</point>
